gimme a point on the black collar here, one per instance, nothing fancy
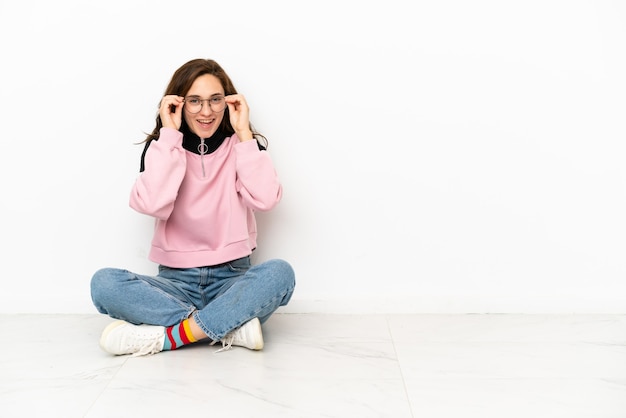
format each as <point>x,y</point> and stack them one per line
<point>191,141</point>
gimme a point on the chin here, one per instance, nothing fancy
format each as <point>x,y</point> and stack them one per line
<point>205,133</point>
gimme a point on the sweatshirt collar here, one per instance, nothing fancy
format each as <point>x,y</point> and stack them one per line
<point>191,141</point>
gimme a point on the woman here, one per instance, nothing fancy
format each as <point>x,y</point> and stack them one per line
<point>203,174</point>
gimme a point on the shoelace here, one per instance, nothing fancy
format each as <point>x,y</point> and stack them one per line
<point>227,343</point>
<point>152,348</point>
<point>145,344</point>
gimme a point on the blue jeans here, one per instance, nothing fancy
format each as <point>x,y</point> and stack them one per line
<point>219,298</point>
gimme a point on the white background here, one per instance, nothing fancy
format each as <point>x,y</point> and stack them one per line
<point>436,156</point>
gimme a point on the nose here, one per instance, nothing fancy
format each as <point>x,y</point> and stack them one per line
<point>206,107</point>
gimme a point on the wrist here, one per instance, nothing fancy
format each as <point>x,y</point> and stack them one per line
<point>245,135</point>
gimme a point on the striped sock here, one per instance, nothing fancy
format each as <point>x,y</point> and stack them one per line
<point>178,335</point>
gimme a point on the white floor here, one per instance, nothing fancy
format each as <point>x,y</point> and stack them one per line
<point>431,366</point>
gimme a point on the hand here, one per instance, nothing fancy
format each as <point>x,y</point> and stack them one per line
<point>171,111</point>
<point>239,116</point>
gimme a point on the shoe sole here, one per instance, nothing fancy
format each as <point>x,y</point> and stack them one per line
<point>258,343</point>
<point>108,330</point>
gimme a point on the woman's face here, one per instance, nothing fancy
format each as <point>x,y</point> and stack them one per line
<point>206,121</point>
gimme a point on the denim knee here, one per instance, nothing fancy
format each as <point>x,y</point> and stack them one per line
<point>103,284</point>
<point>283,272</point>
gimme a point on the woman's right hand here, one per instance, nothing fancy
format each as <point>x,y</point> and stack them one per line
<point>171,111</point>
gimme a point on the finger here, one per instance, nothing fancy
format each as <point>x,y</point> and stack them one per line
<point>171,99</point>
<point>232,106</point>
<point>237,99</point>
<point>171,104</point>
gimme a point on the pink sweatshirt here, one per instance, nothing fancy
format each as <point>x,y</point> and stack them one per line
<point>203,219</point>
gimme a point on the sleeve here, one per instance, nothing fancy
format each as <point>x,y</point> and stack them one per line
<point>257,180</point>
<point>156,188</point>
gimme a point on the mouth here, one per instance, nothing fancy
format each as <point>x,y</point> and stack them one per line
<point>205,123</point>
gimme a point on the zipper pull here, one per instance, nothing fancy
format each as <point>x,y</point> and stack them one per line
<point>202,149</point>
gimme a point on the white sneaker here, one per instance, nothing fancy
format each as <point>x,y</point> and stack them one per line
<point>249,335</point>
<point>120,337</point>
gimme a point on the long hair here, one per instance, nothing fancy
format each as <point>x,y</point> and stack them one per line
<point>181,82</point>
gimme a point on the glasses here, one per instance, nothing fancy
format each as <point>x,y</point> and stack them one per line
<point>193,104</point>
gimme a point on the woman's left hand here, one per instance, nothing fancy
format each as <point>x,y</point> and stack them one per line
<point>239,116</point>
